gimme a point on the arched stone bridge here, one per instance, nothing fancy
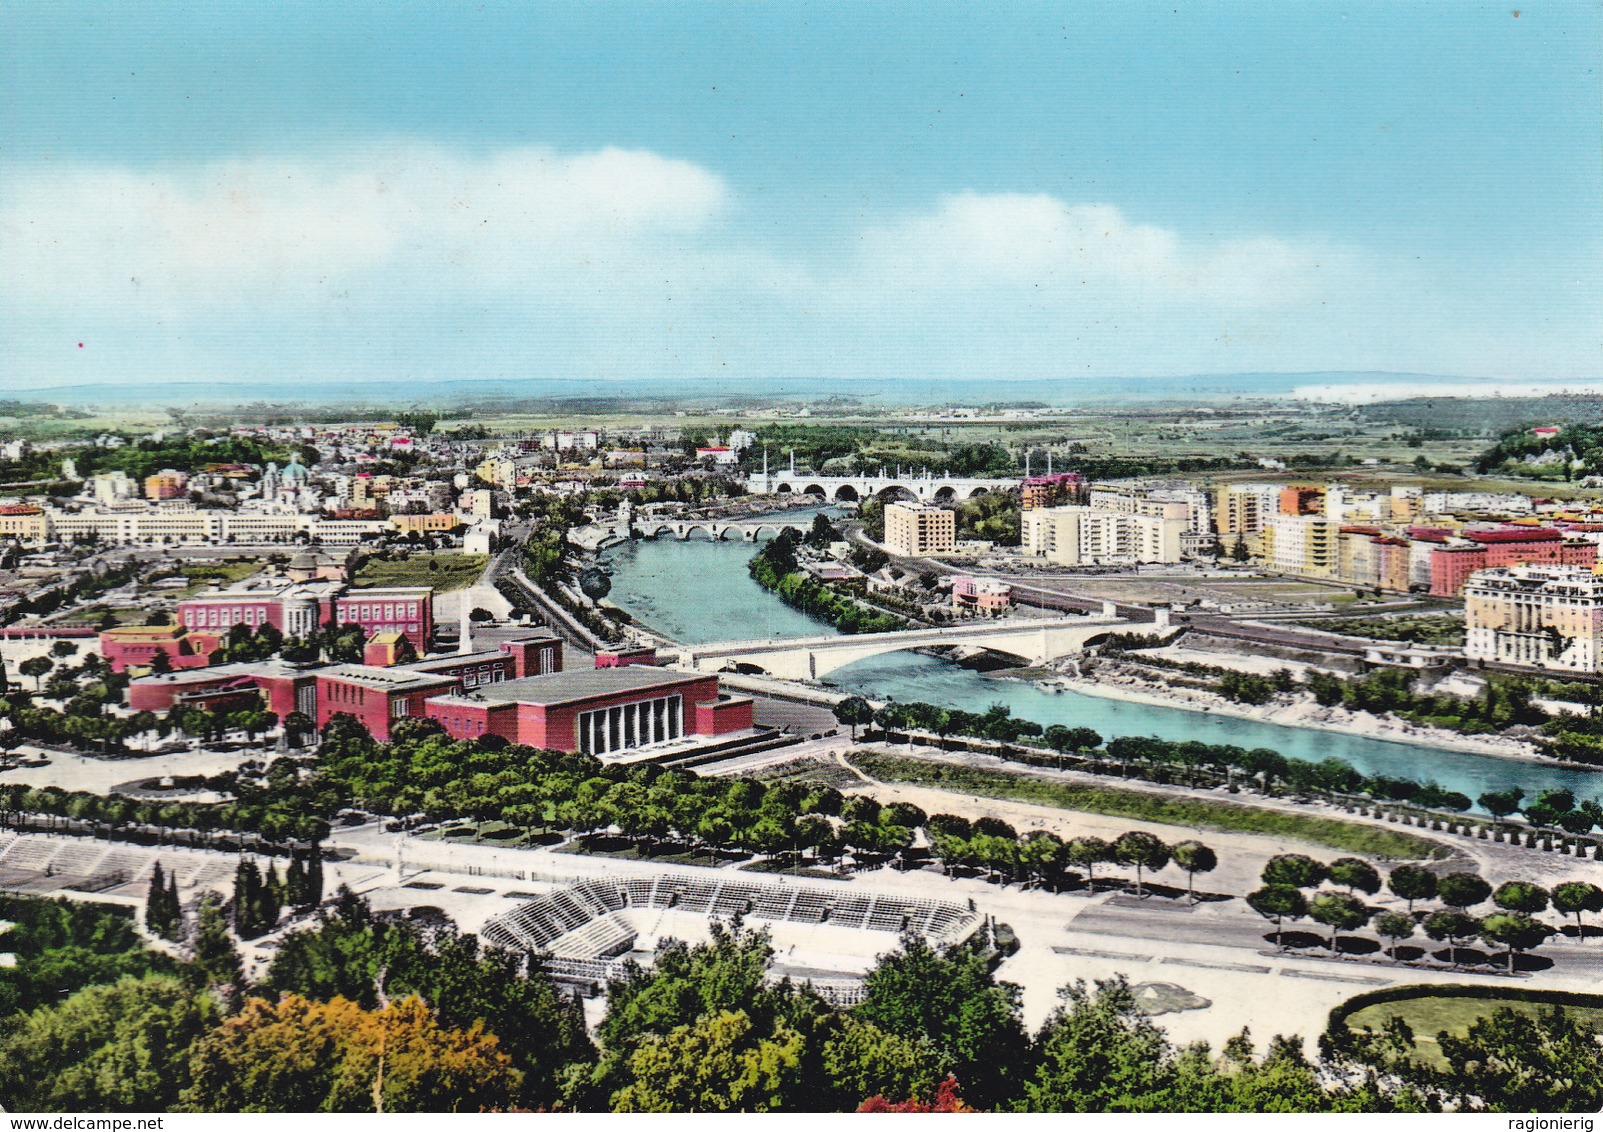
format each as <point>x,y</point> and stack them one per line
<point>925,486</point>
<point>808,658</point>
<point>719,530</point>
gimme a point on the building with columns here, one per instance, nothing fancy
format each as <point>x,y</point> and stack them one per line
<point>601,711</point>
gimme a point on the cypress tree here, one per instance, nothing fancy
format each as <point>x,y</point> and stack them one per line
<point>314,876</point>
<point>174,907</point>
<point>156,918</point>
<point>247,899</point>
<point>295,883</point>
<point>270,901</point>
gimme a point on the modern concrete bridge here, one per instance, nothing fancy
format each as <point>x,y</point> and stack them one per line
<point>925,486</point>
<point>1034,641</point>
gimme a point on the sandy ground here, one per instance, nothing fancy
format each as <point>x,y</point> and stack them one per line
<point>1303,712</point>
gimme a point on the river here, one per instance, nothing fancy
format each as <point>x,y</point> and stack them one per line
<point>697,591</point>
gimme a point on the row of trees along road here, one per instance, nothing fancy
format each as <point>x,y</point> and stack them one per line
<point>1292,889</point>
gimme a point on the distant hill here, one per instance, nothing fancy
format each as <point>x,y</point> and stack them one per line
<point>1493,414</point>
<point>580,392</point>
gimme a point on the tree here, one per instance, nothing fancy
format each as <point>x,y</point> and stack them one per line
<point>1340,912</point>
<point>854,711</point>
<point>1574,897</point>
<point>946,1100</point>
<point>1294,869</point>
<point>1411,883</point>
<point>861,1060</point>
<point>1279,902</point>
<point>1098,1053</point>
<point>950,999</point>
<point>1354,873</point>
<point>1521,896</point>
<point>120,1047</point>
<point>719,1063</point>
<point>1511,1061</point>
<point>354,955</point>
<point>297,1055</point>
<point>1515,931</point>
<point>1140,850</point>
<point>63,649</point>
<point>1394,926</point>
<point>163,914</point>
<point>1194,857</point>
<point>1501,803</point>
<point>1450,927</point>
<point>1462,890</point>
<point>37,667</point>
<point>216,958</point>
<point>1088,853</point>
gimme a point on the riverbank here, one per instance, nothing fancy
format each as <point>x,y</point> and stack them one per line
<point>1305,713</point>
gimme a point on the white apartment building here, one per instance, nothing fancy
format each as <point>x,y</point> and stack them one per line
<point>1306,545</point>
<point>1192,505</point>
<point>1078,535</point>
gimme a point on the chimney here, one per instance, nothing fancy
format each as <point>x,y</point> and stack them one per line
<point>464,643</point>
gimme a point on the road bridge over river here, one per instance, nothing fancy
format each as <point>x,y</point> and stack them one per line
<point>1034,641</point>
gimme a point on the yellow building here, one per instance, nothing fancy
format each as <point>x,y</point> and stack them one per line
<point>23,522</point>
<point>1541,616</point>
<point>1242,508</point>
<point>915,529</point>
<point>441,521</point>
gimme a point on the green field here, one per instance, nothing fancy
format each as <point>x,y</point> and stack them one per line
<point>442,571</point>
<point>1429,1015</point>
<point>228,574</point>
<point>1167,809</point>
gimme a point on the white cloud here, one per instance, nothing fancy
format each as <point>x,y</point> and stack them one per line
<point>278,230</point>
<point>971,241</point>
<point>411,258</point>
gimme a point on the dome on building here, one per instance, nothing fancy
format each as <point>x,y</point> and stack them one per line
<point>294,470</point>
<point>303,561</point>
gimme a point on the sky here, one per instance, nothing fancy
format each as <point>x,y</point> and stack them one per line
<point>278,194</point>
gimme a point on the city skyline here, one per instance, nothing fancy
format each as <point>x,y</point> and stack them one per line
<point>289,195</point>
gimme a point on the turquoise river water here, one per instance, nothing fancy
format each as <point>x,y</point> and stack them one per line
<point>697,591</point>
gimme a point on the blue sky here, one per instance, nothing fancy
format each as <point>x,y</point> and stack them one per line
<point>278,193</point>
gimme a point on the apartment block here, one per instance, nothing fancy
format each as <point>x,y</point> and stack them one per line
<point>914,529</point>
<point>1089,536</point>
<point>1541,616</point>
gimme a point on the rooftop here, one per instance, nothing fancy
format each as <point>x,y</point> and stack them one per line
<point>585,683</point>
<point>384,679</point>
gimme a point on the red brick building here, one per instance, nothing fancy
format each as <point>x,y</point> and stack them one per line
<point>1451,566</point>
<point>599,711</point>
<point>137,646</point>
<point>377,698</point>
<point>406,610</point>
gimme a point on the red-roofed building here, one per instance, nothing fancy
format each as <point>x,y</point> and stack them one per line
<point>1451,566</point>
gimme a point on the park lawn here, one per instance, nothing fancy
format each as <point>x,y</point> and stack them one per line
<point>227,573</point>
<point>1200,813</point>
<point>443,571</point>
<point>1429,1015</point>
